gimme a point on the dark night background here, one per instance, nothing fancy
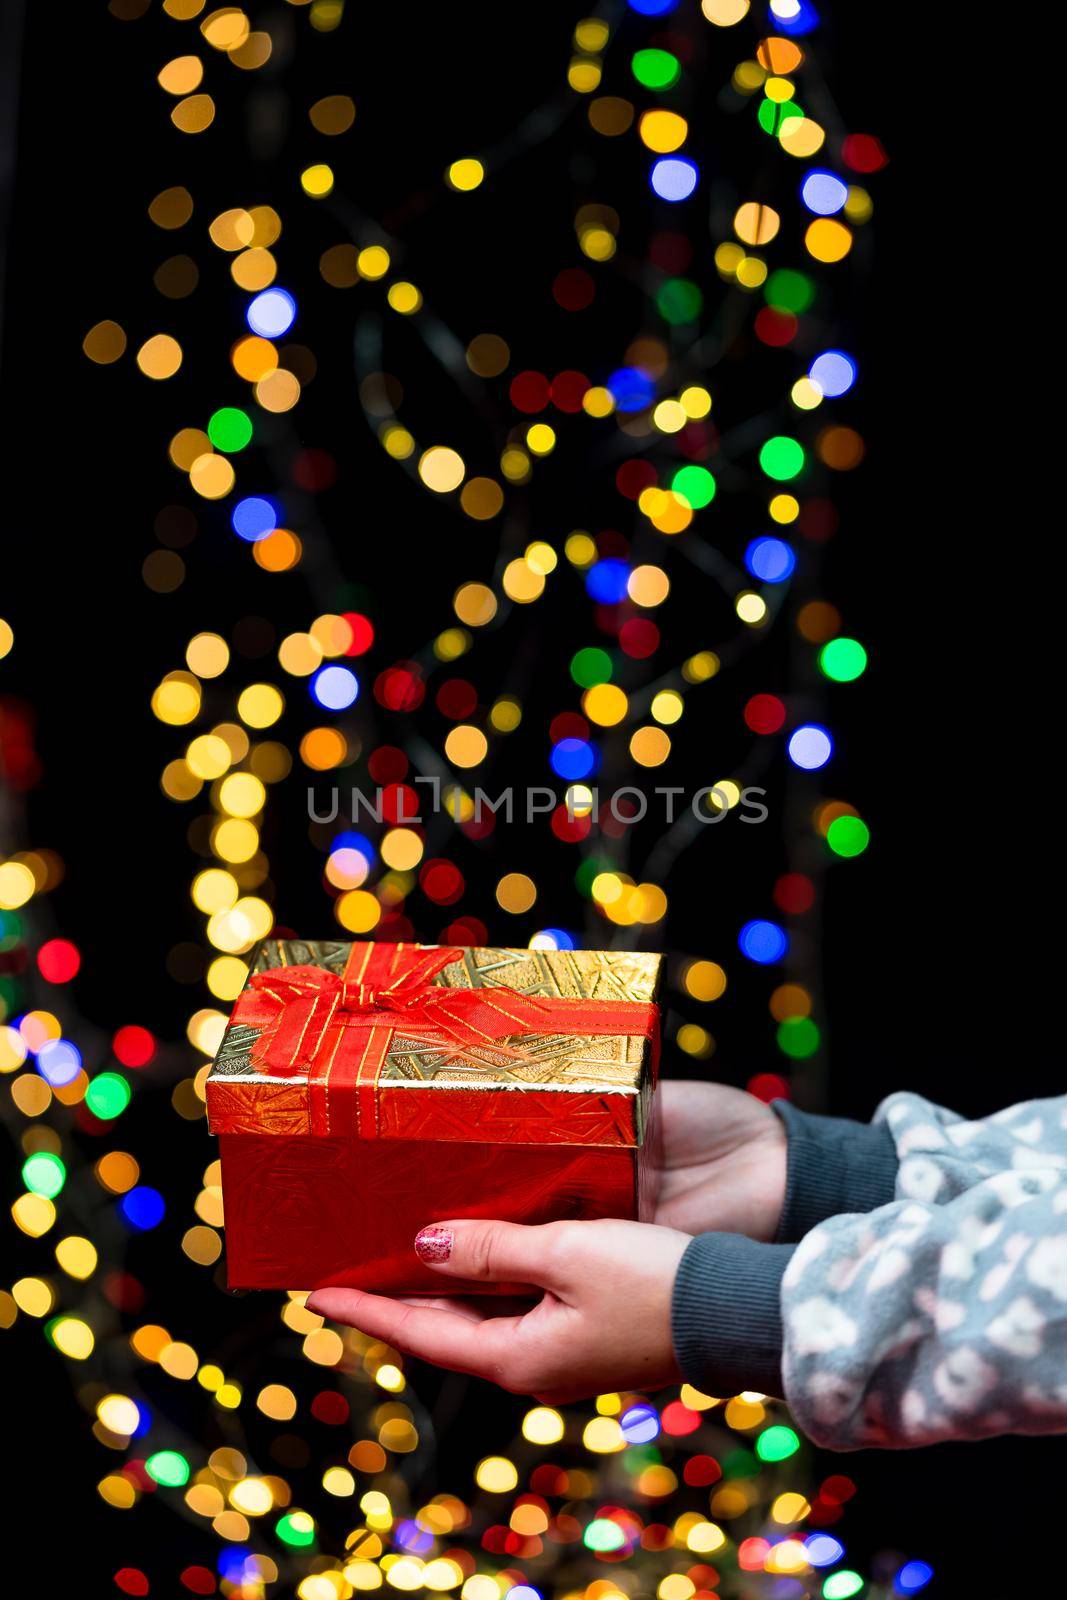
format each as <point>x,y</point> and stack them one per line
<point>939,972</point>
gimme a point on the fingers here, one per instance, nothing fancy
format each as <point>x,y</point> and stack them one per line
<point>494,1252</point>
<point>450,1338</point>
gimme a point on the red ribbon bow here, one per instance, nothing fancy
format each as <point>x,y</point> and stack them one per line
<point>297,1007</point>
<point>337,1029</point>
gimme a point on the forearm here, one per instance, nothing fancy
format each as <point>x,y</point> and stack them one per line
<point>941,1315</point>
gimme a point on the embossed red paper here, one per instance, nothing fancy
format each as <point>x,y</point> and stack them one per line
<point>363,1090</point>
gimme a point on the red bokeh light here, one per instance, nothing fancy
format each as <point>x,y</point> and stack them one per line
<point>529,392</point>
<point>59,960</point>
<point>362,633</point>
<point>764,713</point>
<point>133,1045</point>
<point>794,893</point>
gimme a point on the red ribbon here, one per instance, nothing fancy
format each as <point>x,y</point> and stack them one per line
<point>337,1029</point>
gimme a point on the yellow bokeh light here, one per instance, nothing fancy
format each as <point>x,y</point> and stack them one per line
<point>605,704</point>
<point>543,1425</point>
<point>212,476</point>
<point>540,439</point>
<point>724,14</point>
<point>441,469</point>
<point>465,174</point>
<point>751,608</point>
<point>242,794</point>
<point>160,356</point>
<point>260,705</point>
<point>663,131</point>
<point>521,583</point>
<point>801,137</point>
<point>373,262</point>
<point>404,297</point>
<point>358,911</point>
<point>667,706</point>
<point>474,604</point>
<point>650,747</point>
<point>696,401</point>
<point>828,240</point>
<point>648,586</point>
<point>194,114</point>
<point>755,223</point>
<point>182,75</point>
<point>496,1475</point>
<point>466,746</point>
<point>516,893</point>
<point>317,180</point>
<point>17,885</point>
<point>705,980</point>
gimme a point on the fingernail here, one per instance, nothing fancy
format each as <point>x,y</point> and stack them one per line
<point>433,1244</point>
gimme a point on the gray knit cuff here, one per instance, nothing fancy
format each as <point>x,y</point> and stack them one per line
<point>726,1316</point>
<point>834,1165</point>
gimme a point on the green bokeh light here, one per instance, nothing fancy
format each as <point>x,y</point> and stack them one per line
<point>839,1585</point>
<point>739,1464</point>
<point>787,290</point>
<point>169,1468</point>
<point>772,113</point>
<point>44,1173</point>
<point>603,1534</point>
<point>777,1443</point>
<point>591,666</point>
<point>679,300</point>
<point>296,1528</point>
<point>656,69</point>
<point>782,457</point>
<point>848,836</point>
<point>107,1096</point>
<point>696,485</point>
<point>843,660</point>
<point>230,428</point>
<point>798,1037</point>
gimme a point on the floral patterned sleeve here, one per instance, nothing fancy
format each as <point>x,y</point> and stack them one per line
<point>943,1314</point>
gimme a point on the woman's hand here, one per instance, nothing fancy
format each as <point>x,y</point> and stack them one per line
<point>603,1322</point>
<point>723,1162</point>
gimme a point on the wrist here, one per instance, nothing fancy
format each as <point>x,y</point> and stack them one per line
<point>726,1319</point>
<point>833,1166</point>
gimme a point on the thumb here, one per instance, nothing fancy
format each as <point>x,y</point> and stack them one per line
<point>491,1252</point>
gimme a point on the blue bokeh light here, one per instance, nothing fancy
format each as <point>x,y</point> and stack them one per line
<point>763,942</point>
<point>59,1061</point>
<point>631,389</point>
<point>640,1424</point>
<point>271,313</point>
<point>334,688</point>
<point>143,1208</point>
<point>410,1536</point>
<point>606,581</point>
<point>573,759</point>
<point>351,840</point>
<point>810,746</point>
<point>823,1549</point>
<point>769,559</point>
<point>254,518</point>
<point>560,937</point>
<point>799,22</point>
<point>653,8</point>
<point>913,1576</point>
<point>823,192</point>
<point>834,372</point>
<point>674,178</point>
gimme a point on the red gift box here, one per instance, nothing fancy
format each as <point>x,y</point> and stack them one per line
<point>363,1090</point>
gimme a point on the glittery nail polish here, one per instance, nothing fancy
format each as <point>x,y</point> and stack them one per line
<point>433,1244</point>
